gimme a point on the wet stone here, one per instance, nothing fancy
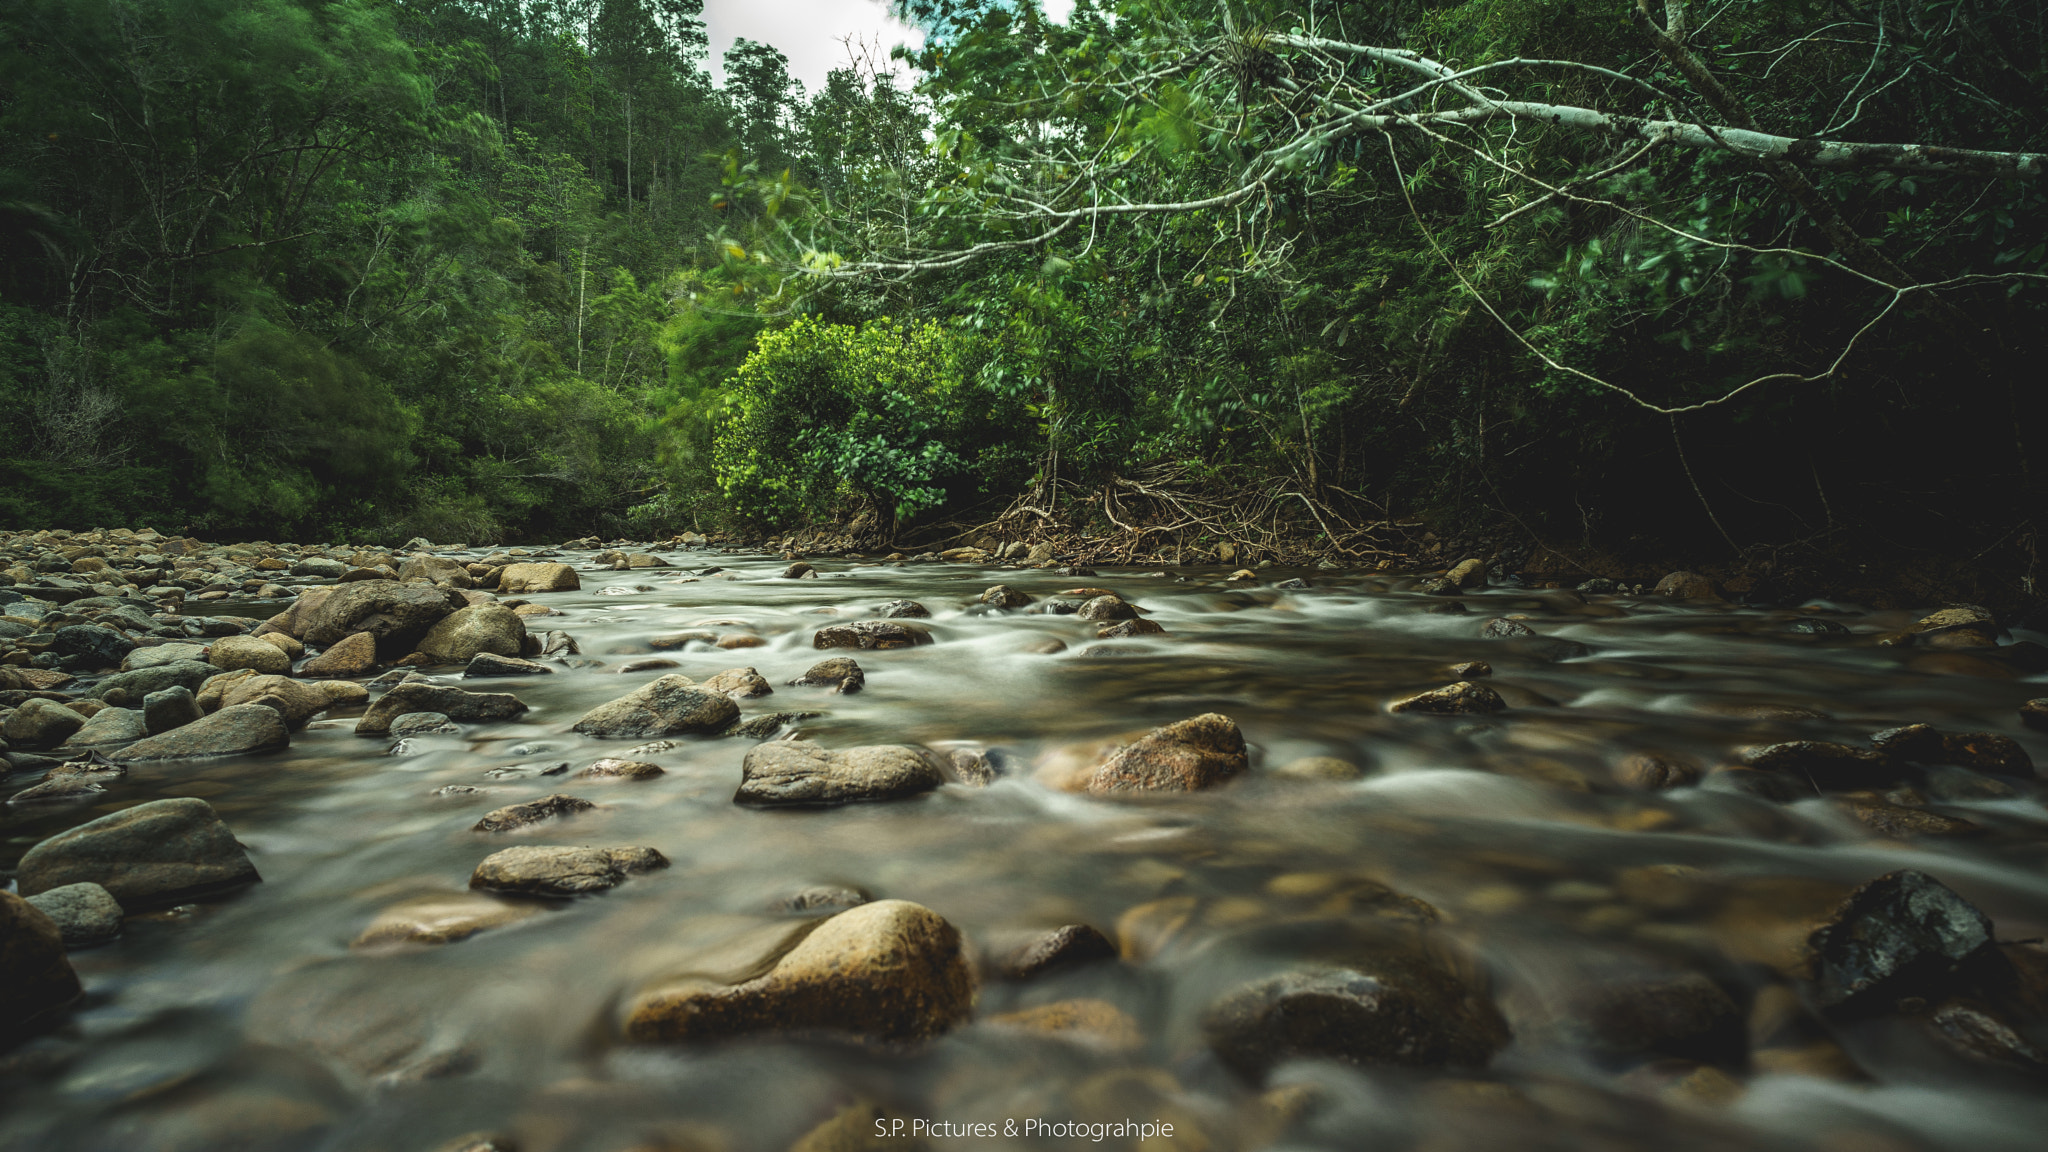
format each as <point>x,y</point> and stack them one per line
<point>1457,699</point>
<point>1398,1009</point>
<point>162,852</point>
<point>423,724</point>
<point>526,815</point>
<point>2034,714</point>
<point>818,897</point>
<point>36,980</point>
<point>85,913</point>
<point>1901,821</point>
<point>1685,1016</point>
<point>738,683</point>
<point>1503,629</point>
<point>788,773</point>
<point>1900,934</point>
<point>1471,670</point>
<point>1004,596</point>
<point>1126,628</point>
<point>1197,753</point>
<point>1827,765</point>
<point>616,769</point>
<point>236,730</point>
<point>903,610</point>
<point>767,725</point>
<point>1063,947</point>
<point>1320,768</point>
<point>1652,772</point>
<point>871,635</point>
<point>490,664</point>
<point>839,673</point>
<point>671,706</point>
<point>1105,609</point>
<point>562,872</point>
<point>423,695</point>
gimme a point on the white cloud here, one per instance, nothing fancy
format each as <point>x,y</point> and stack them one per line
<point>810,32</point>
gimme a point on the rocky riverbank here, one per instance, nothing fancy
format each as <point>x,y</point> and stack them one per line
<point>1023,834</point>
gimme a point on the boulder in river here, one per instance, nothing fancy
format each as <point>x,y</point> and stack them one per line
<point>142,681</point>
<point>871,634</point>
<point>484,665</point>
<point>1501,628</point>
<point>1685,1015</point>
<point>670,706</point>
<point>526,815</point>
<point>525,579</point>
<point>1687,586</point>
<point>85,913</point>
<point>1960,626</point>
<point>1200,752</point>
<point>296,700</point>
<point>1903,933</point>
<point>36,980</point>
<point>2034,713</point>
<point>162,654</point>
<point>562,872</point>
<point>39,723</point>
<point>237,730</point>
<point>1980,751</point>
<point>1123,629</point>
<point>890,971</point>
<point>172,707</point>
<point>427,696</point>
<point>1467,574</point>
<point>1823,763</point>
<point>738,683</point>
<point>397,614</point>
<point>442,919</point>
<point>1062,947</point>
<point>840,674</point>
<point>109,726</point>
<point>89,647</point>
<point>1655,772</point>
<point>352,655</point>
<point>1320,768</point>
<point>903,610</point>
<point>1399,1006</point>
<point>791,773</point>
<point>610,768</point>
<point>1105,608</point>
<point>233,653</point>
<point>800,571</point>
<point>162,852</point>
<point>1004,596</point>
<point>1458,699</point>
<point>479,628</point>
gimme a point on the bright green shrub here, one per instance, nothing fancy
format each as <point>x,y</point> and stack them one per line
<point>891,412</point>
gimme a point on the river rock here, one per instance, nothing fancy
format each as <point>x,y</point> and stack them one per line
<point>162,654</point>
<point>1467,574</point>
<point>1127,628</point>
<point>484,665</point>
<point>398,615</point>
<point>786,773</point>
<point>799,571</point>
<point>2034,714</point>
<point>889,971</point>
<point>1504,629</point>
<point>441,919</point>
<point>89,647</point>
<point>841,674</point>
<point>1686,1016</point>
<point>295,700</point>
<point>427,696</point>
<point>1654,772</point>
<point>871,634</point>
<point>1063,947</point>
<point>525,579</point>
<point>172,707</point>
<point>1399,1007</point>
<point>670,706</point>
<point>142,681</point>
<point>434,570</point>
<point>491,628</point>
<point>233,653</point>
<point>1201,752</point>
<point>1902,933</point>
<point>1979,751</point>
<point>1687,586</point>
<point>563,872</point>
<point>515,816</point>
<point>1825,764</point>
<point>352,655</point>
<point>738,683</point>
<point>423,724</point>
<point>1105,609</point>
<point>85,913</point>
<point>320,568</point>
<point>1961,626</point>
<point>36,980</point>
<point>903,610</point>
<point>239,730</point>
<point>162,852</point>
<point>39,723</point>
<point>1004,596</point>
<point>615,769</point>
<point>1901,821</point>
<point>1458,699</point>
<point>1320,768</point>
<point>110,726</point>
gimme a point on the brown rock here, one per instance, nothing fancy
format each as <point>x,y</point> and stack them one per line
<point>296,700</point>
<point>1652,772</point>
<point>1004,596</point>
<point>526,815</point>
<point>1125,628</point>
<point>1106,608</point>
<point>738,683</point>
<point>612,769</point>
<point>1686,1016</point>
<point>890,971</point>
<point>441,919</point>
<point>839,673</point>
<point>524,579</point>
<point>462,634</point>
<point>397,614</point>
<point>1471,670</point>
<point>1060,948</point>
<point>1094,1023</point>
<point>36,980</point>
<point>1900,821</point>
<point>785,772</point>
<point>1827,765</point>
<point>562,872</point>
<point>1320,768</point>
<point>1452,700</point>
<point>1467,574</point>
<point>2034,714</point>
<point>872,634</point>
<point>671,706</point>
<point>1687,586</point>
<point>426,696</point>
<point>352,655</point>
<point>1197,753</point>
<point>1504,629</point>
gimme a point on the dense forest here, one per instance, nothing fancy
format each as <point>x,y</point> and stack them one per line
<point>1642,279</point>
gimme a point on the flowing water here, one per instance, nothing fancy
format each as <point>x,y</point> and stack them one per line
<point>250,1022</point>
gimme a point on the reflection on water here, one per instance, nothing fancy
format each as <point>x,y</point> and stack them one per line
<point>251,1023</point>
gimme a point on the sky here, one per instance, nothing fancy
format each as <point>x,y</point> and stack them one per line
<point>810,32</point>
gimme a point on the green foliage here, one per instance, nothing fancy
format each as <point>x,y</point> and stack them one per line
<point>894,413</point>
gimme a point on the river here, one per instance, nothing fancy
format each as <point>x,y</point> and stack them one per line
<point>249,1022</point>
